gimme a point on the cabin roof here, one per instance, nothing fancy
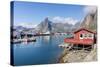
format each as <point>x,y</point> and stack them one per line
<point>85,30</point>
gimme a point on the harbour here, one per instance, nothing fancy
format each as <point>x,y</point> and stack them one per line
<point>45,49</point>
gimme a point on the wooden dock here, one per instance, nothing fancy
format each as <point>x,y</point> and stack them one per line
<point>65,45</point>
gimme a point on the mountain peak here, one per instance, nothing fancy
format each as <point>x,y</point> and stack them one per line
<point>46,19</point>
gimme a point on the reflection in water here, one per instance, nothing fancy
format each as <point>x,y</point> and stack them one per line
<point>45,50</point>
<point>47,39</point>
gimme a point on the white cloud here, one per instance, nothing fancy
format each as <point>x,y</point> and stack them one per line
<point>57,19</point>
<point>71,20</point>
<point>68,20</point>
<point>28,25</point>
<point>90,9</point>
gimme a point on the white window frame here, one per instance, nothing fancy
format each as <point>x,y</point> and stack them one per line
<point>86,36</point>
<point>92,36</point>
<point>82,36</point>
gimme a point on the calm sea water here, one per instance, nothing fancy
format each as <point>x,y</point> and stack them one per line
<point>44,51</point>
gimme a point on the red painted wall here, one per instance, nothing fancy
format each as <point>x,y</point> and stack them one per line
<point>77,35</point>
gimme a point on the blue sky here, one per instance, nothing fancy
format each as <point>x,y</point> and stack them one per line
<point>34,13</point>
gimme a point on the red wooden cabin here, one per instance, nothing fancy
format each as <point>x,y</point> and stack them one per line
<point>82,37</point>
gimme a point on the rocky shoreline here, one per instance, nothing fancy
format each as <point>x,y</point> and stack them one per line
<point>78,55</point>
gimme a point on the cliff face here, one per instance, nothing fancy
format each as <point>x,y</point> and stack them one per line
<point>90,22</point>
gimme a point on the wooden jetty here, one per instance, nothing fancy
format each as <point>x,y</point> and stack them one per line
<point>66,45</point>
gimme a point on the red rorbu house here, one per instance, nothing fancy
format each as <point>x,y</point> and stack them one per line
<point>82,37</point>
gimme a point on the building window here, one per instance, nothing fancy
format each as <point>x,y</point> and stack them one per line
<point>85,36</point>
<point>90,35</point>
<point>81,35</point>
